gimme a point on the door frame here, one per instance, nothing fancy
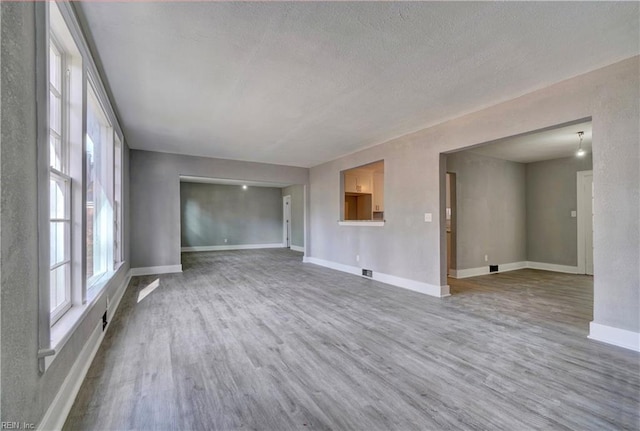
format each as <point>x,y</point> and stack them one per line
<point>286,221</point>
<point>581,219</point>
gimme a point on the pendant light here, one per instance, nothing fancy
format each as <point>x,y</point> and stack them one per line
<point>580,152</point>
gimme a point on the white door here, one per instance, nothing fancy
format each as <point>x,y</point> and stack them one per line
<point>585,222</point>
<point>286,221</point>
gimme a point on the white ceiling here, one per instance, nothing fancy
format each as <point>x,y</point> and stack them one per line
<point>303,83</point>
<point>538,146</point>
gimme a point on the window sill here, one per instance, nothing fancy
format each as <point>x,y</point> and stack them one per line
<point>362,223</point>
<point>65,327</point>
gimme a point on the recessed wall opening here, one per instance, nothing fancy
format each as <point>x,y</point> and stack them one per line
<point>221,214</point>
<point>362,193</point>
<point>522,203</point>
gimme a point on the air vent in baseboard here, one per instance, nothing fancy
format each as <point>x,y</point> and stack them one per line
<point>367,273</point>
<point>493,268</point>
<point>104,320</point>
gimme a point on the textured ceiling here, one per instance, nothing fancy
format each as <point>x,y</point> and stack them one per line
<point>303,83</point>
<point>538,146</point>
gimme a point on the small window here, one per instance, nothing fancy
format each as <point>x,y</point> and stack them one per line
<point>363,193</point>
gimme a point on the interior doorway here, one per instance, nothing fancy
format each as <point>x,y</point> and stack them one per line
<point>585,222</point>
<point>286,221</point>
<point>450,220</point>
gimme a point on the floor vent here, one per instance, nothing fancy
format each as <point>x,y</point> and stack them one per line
<point>493,268</point>
<point>104,320</point>
<point>367,273</point>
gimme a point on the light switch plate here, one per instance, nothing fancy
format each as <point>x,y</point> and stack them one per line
<point>574,214</point>
<point>428,217</point>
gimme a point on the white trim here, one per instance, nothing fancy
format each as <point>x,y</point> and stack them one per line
<point>581,221</point>
<point>405,283</point>
<point>153,270</point>
<point>362,223</point>
<point>231,247</point>
<point>57,413</point>
<point>297,248</point>
<point>616,336</point>
<point>553,267</point>
<point>286,223</point>
<point>504,267</point>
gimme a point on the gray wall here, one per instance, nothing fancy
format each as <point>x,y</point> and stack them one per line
<point>552,234</point>
<point>414,184</point>
<point>155,197</point>
<point>297,213</point>
<point>211,213</point>
<point>491,204</point>
<point>26,394</point>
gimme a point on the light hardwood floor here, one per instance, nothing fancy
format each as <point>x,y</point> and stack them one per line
<point>255,339</point>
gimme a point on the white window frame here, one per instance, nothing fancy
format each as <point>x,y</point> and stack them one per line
<point>54,331</point>
<point>118,182</point>
<point>62,176</point>
<point>95,283</point>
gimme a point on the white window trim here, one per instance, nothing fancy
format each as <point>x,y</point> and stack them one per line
<point>83,67</point>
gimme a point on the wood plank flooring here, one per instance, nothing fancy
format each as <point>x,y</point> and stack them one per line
<point>255,339</point>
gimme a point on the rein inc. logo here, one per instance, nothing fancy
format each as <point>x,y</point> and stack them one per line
<point>17,426</point>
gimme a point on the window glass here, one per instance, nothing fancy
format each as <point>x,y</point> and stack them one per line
<point>99,186</point>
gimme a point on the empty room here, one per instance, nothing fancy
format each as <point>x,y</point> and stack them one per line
<point>320,215</point>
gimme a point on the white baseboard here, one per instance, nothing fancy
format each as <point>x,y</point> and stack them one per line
<point>405,283</point>
<point>153,270</point>
<point>56,415</point>
<point>484,270</point>
<point>616,336</point>
<point>504,267</point>
<point>553,267</point>
<point>297,248</point>
<point>231,247</point>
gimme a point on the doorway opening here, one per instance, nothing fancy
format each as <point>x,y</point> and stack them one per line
<point>521,203</point>
<point>286,221</point>
<point>450,220</point>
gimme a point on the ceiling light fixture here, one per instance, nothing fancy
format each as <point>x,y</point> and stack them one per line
<point>580,151</point>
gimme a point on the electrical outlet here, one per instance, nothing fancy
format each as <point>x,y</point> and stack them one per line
<point>486,258</point>
<point>357,258</point>
<point>428,217</point>
<point>225,240</point>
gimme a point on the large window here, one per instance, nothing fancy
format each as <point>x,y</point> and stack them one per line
<point>84,163</point>
<point>99,191</point>
<point>59,186</point>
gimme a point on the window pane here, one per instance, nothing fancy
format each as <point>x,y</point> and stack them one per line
<point>58,191</point>
<point>55,66</point>
<point>58,286</point>
<point>55,113</point>
<point>55,152</point>
<point>99,187</point>
<point>58,249</point>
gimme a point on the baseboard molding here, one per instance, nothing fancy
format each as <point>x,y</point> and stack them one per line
<point>484,270</point>
<point>616,336</point>
<point>114,302</point>
<point>553,267</point>
<point>231,247</point>
<point>505,267</point>
<point>153,270</point>
<point>405,283</point>
<point>57,413</point>
<point>297,248</point>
